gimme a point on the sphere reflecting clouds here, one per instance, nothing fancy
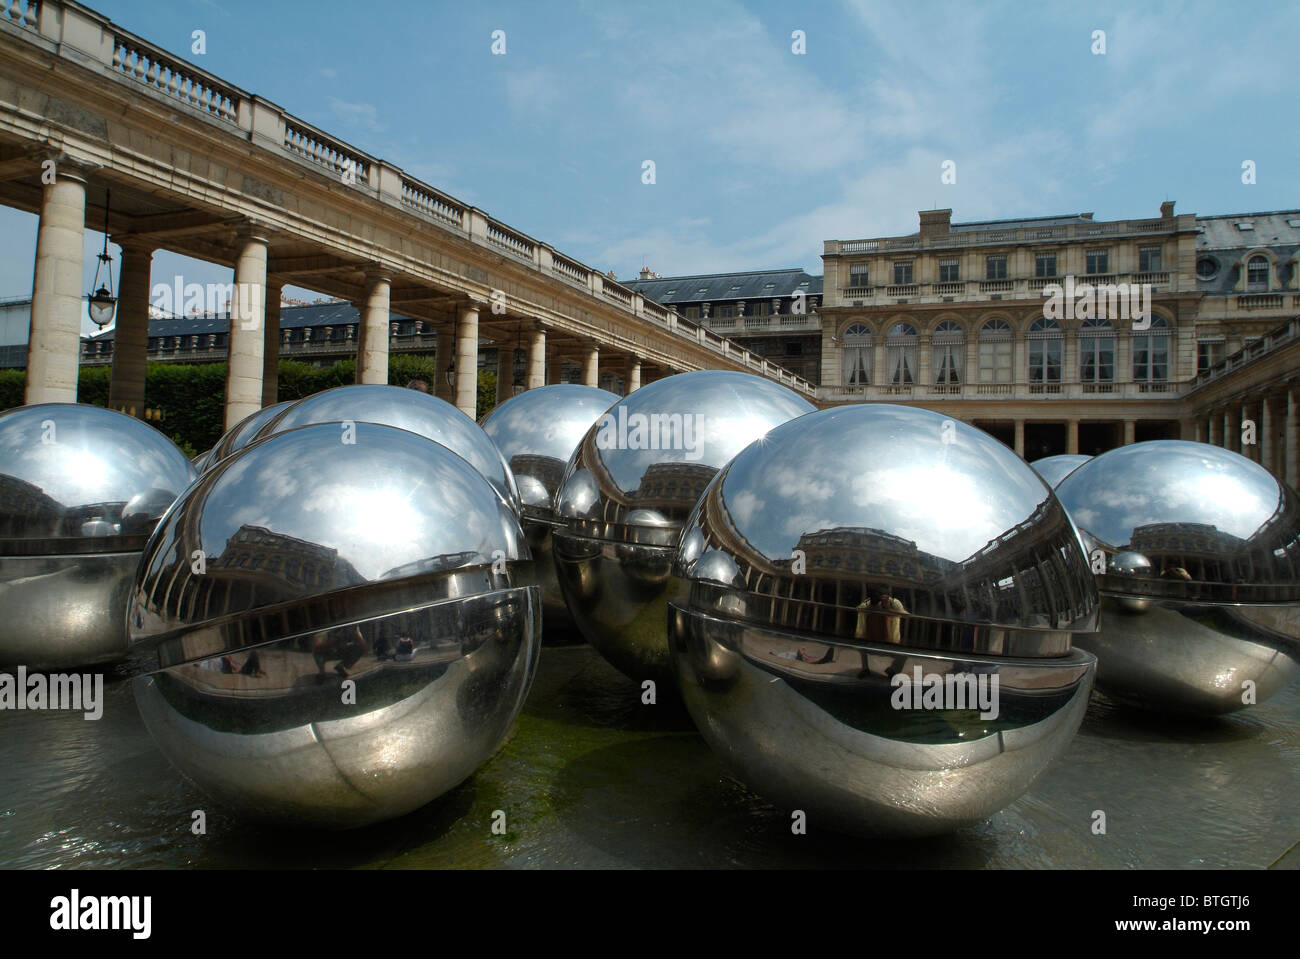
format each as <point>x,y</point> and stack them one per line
<point>537,432</point>
<point>1053,469</point>
<point>242,433</point>
<point>405,409</point>
<point>873,618</point>
<point>633,480</point>
<point>1201,588</point>
<point>333,631</point>
<point>82,490</point>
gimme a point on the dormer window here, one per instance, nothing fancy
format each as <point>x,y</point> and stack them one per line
<point>1257,274</point>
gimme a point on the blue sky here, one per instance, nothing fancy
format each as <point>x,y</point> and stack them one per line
<point>761,154</point>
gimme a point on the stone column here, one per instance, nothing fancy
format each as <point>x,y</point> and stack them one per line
<point>591,366</point>
<point>1231,436</point>
<point>536,358</point>
<point>1130,432</point>
<point>1072,437</point>
<point>372,343</point>
<point>1198,427</point>
<point>1020,438</point>
<point>633,378</point>
<point>1249,450</point>
<point>271,344</point>
<point>467,359</point>
<point>247,333</point>
<point>1293,437</point>
<point>131,329</point>
<point>1213,430</point>
<point>54,337</point>
<point>554,365</point>
<point>445,353</point>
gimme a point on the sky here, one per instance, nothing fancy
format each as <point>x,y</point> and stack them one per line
<point>761,153</point>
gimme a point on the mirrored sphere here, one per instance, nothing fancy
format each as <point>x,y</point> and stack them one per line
<point>537,432</point>
<point>1053,469</point>
<point>872,620</point>
<point>405,409</point>
<point>82,490</point>
<point>1201,589</point>
<point>242,433</point>
<point>331,632</point>
<point>633,480</point>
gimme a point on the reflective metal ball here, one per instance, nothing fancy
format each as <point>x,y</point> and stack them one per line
<point>242,433</point>
<point>1200,548</point>
<point>405,409</point>
<point>1053,469</point>
<point>633,480</point>
<point>332,632</point>
<point>537,432</point>
<point>80,490</point>
<point>873,618</point>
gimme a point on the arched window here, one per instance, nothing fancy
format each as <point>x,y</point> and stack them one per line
<point>900,354</point>
<point>1151,353</point>
<point>1097,351</point>
<point>1257,274</point>
<point>857,355</point>
<point>1045,351</point>
<point>948,353</point>
<point>995,343</point>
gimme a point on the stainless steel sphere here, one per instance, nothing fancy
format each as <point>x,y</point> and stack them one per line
<point>1201,585</point>
<point>537,432</point>
<point>242,433</point>
<point>80,490</point>
<point>873,618</point>
<point>406,409</point>
<point>1053,469</point>
<point>632,482</point>
<point>331,632</point>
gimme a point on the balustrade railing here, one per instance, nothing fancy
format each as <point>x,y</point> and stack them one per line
<point>145,63</point>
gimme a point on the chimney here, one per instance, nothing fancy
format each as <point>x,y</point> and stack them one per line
<point>935,222</point>
<point>645,273</point>
<point>1167,210</point>
<point>1085,216</point>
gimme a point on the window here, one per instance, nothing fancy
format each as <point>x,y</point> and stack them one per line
<point>1097,351</point>
<point>692,313</point>
<point>794,349</point>
<point>857,355</point>
<point>1257,273</point>
<point>762,308</point>
<point>1149,259</point>
<point>1098,262</point>
<point>1045,351</point>
<point>1208,353</point>
<point>725,309</point>
<point>1151,353</point>
<point>949,272</point>
<point>1045,264</point>
<point>900,354</point>
<point>1206,267</point>
<point>858,275</point>
<point>948,353</point>
<point>995,344</point>
<point>995,268</point>
<point>903,273</point>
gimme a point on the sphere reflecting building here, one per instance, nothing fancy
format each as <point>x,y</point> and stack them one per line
<point>81,489</point>
<point>1198,553</point>
<point>406,409</point>
<point>634,479</point>
<point>873,620</point>
<point>331,632</point>
<point>242,433</point>
<point>537,432</point>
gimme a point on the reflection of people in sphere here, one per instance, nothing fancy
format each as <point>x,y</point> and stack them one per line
<point>345,645</point>
<point>875,627</point>
<point>418,385</point>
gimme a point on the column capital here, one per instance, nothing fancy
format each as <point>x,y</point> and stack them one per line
<point>251,231</point>
<point>374,272</point>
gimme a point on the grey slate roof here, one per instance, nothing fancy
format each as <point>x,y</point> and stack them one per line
<point>720,287</point>
<point>1220,238</point>
<point>291,317</point>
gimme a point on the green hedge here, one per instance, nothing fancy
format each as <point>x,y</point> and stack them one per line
<point>191,398</point>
